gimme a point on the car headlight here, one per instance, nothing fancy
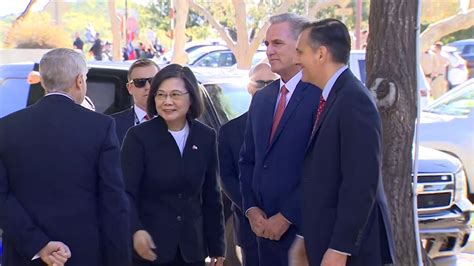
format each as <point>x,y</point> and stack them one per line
<point>460,189</point>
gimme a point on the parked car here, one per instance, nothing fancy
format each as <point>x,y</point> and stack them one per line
<point>448,125</point>
<point>218,56</point>
<point>466,51</point>
<point>443,208</point>
<point>188,47</point>
<point>211,56</point>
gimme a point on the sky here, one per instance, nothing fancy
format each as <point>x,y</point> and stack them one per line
<point>17,6</point>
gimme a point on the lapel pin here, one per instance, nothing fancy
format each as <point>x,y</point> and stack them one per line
<point>195,147</point>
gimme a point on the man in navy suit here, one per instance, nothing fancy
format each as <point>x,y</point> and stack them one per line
<point>140,74</point>
<point>60,181</point>
<point>278,128</point>
<point>231,137</point>
<point>344,210</point>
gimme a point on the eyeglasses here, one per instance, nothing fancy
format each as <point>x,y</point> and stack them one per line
<point>262,83</point>
<point>140,83</point>
<point>174,95</point>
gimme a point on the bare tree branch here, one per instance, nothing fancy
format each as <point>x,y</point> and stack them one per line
<point>215,24</point>
<point>242,49</point>
<point>438,30</point>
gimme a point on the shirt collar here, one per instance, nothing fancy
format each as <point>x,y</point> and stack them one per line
<point>60,93</point>
<point>327,89</point>
<point>291,84</point>
<point>139,112</point>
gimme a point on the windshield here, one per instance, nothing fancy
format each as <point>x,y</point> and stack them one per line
<point>458,103</point>
<point>194,55</point>
<point>230,99</point>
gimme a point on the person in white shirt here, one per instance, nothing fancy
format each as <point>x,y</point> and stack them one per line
<point>170,171</point>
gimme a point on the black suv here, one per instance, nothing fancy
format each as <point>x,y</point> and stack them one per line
<point>443,209</point>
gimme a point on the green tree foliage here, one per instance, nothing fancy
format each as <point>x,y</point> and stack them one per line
<point>459,35</point>
<point>156,16</point>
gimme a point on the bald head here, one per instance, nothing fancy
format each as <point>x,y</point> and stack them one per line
<point>260,75</point>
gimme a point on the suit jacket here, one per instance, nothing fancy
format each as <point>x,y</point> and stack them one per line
<point>175,199</point>
<point>231,137</point>
<point>62,181</point>
<point>344,205</point>
<point>271,172</point>
<point>124,120</point>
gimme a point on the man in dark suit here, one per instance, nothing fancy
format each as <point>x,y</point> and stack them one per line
<point>277,133</point>
<point>60,180</point>
<point>231,137</point>
<point>344,210</point>
<point>140,74</point>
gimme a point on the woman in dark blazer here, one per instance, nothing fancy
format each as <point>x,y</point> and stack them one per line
<point>170,166</point>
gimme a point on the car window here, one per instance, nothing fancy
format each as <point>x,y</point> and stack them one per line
<point>210,60</point>
<point>460,103</point>
<point>230,100</point>
<point>13,95</point>
<point>216,59</point>
<point>226,59</point>
<point>361,64</point>
<point>468,49</point>
<point>102,94</point>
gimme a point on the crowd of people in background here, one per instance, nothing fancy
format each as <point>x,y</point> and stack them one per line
<point>102,51</point>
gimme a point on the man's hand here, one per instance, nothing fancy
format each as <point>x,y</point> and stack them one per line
<point>297,254</point>
<point>275,227</point>
<point>219,261</point>
<point>332,258</point>
<point>55,253</point>
<point>144,245</point>
<point>257,219</point>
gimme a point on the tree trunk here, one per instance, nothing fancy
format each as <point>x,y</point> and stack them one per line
<point>391,77</point>
<point>115,23</point>
<point>182,9</point>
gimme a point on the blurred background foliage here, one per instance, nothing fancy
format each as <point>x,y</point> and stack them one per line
<point>46,29</point>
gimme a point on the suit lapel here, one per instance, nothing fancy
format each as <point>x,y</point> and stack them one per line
<point>329,103</point>
<point>131,117</point>
<point>267,109</point>
<point>290,108</point>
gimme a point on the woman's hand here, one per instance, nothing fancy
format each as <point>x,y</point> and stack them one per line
<point>144,245</point>
<point>219,261</point>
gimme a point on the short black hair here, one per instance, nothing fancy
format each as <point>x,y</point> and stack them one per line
<point>333,34</point>
<point>190,83</point>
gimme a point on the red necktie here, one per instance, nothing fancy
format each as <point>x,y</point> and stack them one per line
<point>279,111</point>
<point>322,102</point>
<point>146,118</point>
